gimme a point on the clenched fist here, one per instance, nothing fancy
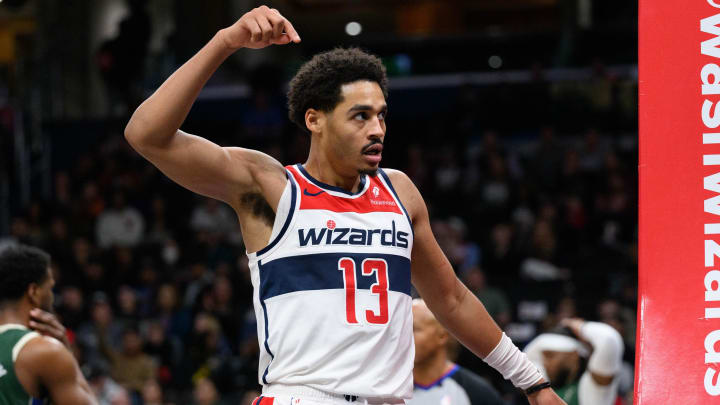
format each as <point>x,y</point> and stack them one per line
<point>259,28</point>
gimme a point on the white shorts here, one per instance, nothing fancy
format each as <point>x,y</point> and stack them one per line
<point>278,394</point>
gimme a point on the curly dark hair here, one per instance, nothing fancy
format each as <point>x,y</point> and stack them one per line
<point>317,84</point>
<point>21,266</point>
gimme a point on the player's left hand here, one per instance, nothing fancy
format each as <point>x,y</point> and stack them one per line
<point>47,324</point>
<point>545,397</point>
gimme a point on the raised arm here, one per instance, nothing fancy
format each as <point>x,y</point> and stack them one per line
<point>608,347</point>
<point>55,369</point>
<point>194,162</point>
<point>456,307</point>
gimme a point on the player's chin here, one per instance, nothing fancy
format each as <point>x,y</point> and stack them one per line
<point>370,169</point>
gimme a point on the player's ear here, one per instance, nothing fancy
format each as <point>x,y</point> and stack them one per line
<point>314,120</point>
<point>34,294</point>
<point>442,336</point>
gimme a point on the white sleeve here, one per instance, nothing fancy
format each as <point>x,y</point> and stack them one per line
<point>606,360</point>
<point>590,392</point>
<point>608,347</point>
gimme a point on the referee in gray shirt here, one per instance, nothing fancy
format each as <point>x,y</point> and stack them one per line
<point>439,381</point>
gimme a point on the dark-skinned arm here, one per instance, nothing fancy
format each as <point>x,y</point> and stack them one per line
<point>457,309</point>
<point>55,369</point>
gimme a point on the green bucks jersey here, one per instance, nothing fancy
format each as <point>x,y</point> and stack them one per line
<point>12,339</point>
<point>569,393</point>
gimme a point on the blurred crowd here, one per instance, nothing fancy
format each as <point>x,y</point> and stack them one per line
<point>153,282</point>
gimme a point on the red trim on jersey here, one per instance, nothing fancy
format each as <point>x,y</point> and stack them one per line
<point>376,198</point>
<point>266,401</point>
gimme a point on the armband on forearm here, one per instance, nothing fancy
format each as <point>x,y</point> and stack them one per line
<point>513,364</point>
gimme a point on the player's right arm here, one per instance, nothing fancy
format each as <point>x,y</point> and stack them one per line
<point>55,369</point>
<point>194,162</point>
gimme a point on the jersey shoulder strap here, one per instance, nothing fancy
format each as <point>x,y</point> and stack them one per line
<point>12,340</point>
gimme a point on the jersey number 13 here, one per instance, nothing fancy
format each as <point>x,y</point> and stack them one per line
<point>380,288</point>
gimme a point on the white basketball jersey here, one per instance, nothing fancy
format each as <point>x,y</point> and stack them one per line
<point>332,290</point>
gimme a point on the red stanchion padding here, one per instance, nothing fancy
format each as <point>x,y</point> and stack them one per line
<point>678,340</point>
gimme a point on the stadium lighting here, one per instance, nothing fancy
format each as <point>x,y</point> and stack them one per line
<point>353,28</point>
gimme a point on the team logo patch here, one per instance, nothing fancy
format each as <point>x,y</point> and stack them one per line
<point>331,224</point>
<point>376,191</point>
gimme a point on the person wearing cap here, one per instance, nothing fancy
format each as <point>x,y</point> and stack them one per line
<point>437,380</point>
<point>582,361</point>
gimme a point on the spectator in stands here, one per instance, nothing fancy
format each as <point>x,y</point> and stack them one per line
<point>152,393</point>
<point>205,392</point>
<point>127,306</point>
<point>583,364</point>
<point>120,224</point>
<point>175,320</point>
<point>212,216</point>
<point>494,299</point>
<point>164,350</point>
<point>101,319</point>
<point>130,366</point>
<point>71,307</point>
<point>107,391</point>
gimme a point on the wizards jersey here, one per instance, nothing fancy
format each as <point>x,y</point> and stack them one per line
<point>332,289</point>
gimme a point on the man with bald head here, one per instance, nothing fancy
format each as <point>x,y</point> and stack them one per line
<point>439,381</point>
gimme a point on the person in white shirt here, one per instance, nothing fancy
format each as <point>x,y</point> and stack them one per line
<point>582,365</point>
<point>119,225</point>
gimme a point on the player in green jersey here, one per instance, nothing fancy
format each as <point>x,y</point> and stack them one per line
<point>34,366</point>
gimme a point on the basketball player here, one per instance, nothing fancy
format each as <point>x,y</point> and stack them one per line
<point>330,242</point>
<point>33,367</point>
<point>437,379</point>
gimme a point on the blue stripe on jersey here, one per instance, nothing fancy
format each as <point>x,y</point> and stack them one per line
<point>293,197</point>
<point>321,272</point>
<point>267,347</point>
<point>392,189</point>
<point>320,184</point>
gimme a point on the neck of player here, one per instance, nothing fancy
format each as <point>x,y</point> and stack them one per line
<point>324,170</point>
<point>14,313</point>
<point>432,368</point>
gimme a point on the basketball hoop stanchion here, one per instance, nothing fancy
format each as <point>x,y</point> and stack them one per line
<point>678,337</point>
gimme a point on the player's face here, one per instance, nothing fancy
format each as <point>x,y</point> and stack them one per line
<point>559,365</point>
<point>426,334</point>
<point>356,127</point>
<point>45,296</point>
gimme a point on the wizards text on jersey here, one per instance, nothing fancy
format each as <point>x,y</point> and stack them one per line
<point>353,236</point>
